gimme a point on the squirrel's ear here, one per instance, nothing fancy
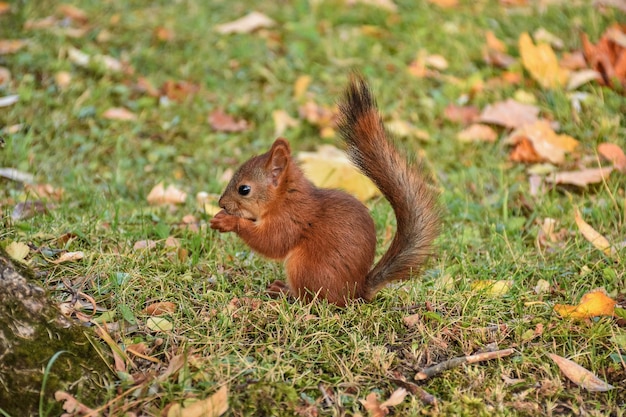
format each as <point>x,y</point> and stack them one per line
<point>280,154</point>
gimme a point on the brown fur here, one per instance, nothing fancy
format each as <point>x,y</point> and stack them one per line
<point>327,237</point>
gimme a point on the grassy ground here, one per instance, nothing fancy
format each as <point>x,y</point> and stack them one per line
<point>275,357</point>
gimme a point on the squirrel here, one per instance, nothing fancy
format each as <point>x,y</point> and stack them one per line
<point>327,238</point>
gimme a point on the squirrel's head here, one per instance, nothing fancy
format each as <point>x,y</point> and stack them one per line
<point>258,183</point>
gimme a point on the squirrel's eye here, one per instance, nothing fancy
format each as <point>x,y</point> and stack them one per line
<point>244,189</point>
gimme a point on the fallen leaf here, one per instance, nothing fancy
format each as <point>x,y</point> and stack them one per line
<point>377,409</point>
<point>541,62</point>
<point>477,133</point>
<point>573,61</point>
<point>446,4</point>
<point>300,86</point>
<point>608,56</point>
<point>45,191</point>
<point>5,76</point>
<point>542,35</point>
<point>331,168</point>
<point>614,154</point>
<point>541,287</point>
<point>172,242</point>
<point>509,113</point>
<point>179,90</point>
<point>16,175</point>
<point>7,101</point>
<point>246,24</point>
<point>388,5</point>
<point>596,239</point>
<point>593,304</point>
<point>63,79</point>
<point>82,59</point>
<point>4,7</point>
<point>73,12</point>
<point>581,178</point>
<point>11,46</point>
<point>159,308</point>
<point>320,116</point>
<point>548,145</point>
<point>436,61</point>
<point>28,209</point>
<point>282,121</point>
<point>162,34</point>
<point>160,195</point>
<point>549,237</point>
<point>582,77</point>
<point>119,113</point>
<point>213,406</point>
<point>494,52</point>
<point>159,324</point>
<point>525,152</point>
<point>18,251</point>
<point>144,244</point>
<point>223,122</point>
<point>404,129</point>
<point>461,114</point>
<point>72,405</point>
<point>412,321</point>
<point>494,288</point>
<point>579,375</point>
<point>69,257</point>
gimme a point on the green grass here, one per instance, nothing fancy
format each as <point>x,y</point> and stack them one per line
<point>276,356</point>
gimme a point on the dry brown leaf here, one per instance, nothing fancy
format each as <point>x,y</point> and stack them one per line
<point>573,61</point>
<point>159,308</point>
<point>179,90</point>
<point>436,61</point>
<point>172,242</point>
<point>614,154</point>
<point>377,409</point>
<point>222,122</point>
<point>548,145</point>
<point>11,46</point>
<point>63,79</point>
<point>582,77</point>
<point>509,113</point>
<point>388,5</point>
<point>320,116</point>
<point>69,257</point>
<point>144,244</point>
<point>477,133</point>
<point>160,195</point>
<point>548,236</point>
<point>4,7</point>
<point>213,406</point>
<point>246,24</point>
<point>494,52</point>
<point>282,121</point>
<point>525,152</point>
<point>72,405</point>
<point>593,236</point>
<point>45,191</point>
<point>445,3</point>
<point>542,63</point>
<point>28,209</point>
<point>593,304</point>
<point>493,43</point>
<point>82,59</point>
<point>72,12</point>
<point>162,34</point>
<point>579,375</point>
<point>412,321</point>
<point>119,113</point>
<point>581,178</point>
<point>461,114</point>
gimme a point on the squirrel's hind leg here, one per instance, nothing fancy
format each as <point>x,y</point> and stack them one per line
<point>277,289</point>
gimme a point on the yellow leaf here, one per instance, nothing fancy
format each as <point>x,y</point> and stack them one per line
<point>579,375</point>
<point>160,195</point>
<point>541,62</point>
<point>17,250</point>
<point>159,324</point>
<point>330,168</point>
<point>596,239</point>
<point>548,144</point>
<point>213,406</point>
<point>69,257</point>
<point>592,304</point>
<point>300,86</point>
<point>495,288</point>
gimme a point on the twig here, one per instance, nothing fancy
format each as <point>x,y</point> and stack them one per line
<point>454,362</point>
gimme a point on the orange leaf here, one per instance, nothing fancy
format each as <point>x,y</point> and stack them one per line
<point>613,153</point>
<point>162,307</point>
<point>548,145</point>
<point>592,304</point>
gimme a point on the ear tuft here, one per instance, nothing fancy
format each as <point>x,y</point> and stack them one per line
<point>279,157</point>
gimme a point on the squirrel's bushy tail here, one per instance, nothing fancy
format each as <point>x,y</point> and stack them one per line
<point>403,182</point>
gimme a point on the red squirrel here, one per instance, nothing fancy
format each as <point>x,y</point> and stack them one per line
<point>327,238</point>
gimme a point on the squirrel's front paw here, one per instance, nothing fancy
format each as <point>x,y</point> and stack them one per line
<point>224,222</point>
